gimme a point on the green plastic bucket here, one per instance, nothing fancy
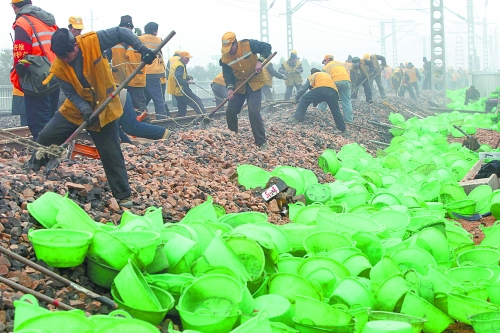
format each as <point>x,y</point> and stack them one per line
<point>278,235</point>
<point>479,256</point>
<point>328,162</point>
<point>290,285</point>
<point>99,273</point>
<point>394,221</point>
<point>462,207</point>
<point>291,176</point>
<point>385,268</point>
<point>471,275</point>
<point>486,322</point>
<point>166,300</point>
<point>304,328</point>
<point>391,292</point>
<point>434,242</point>
<point>420,285</point>
<point>173,283</point>
<point>324,271</point>
<point>277,307</point>
<point>127,325</point>
<point>259,323</point>
<point>414,258</point>
<point>64,321</point>
<point>72,217</point>
<point>205,211</point>
<point>282,328</point>
<point>237,219</point>
<point>308,214</point>
<point>370,245</point>
<point>460,307</point>
<point>415,306</point>
<point>354,290</point>
<point>26,308</point>
<point>320,314</point>
<point>143,240</point>
<point>250,254</point>
<point>60,248</point>
<point>45,209</point>
<point>251,176</point>
<point>297,233</point>
<point>325,241</point>
<point>111,250</point>
<point>493,290</point>
<point>317,193</point>
<point>352,223</point>
<point>387,326</point>
<point>134,289</point>
<point>288,263</point>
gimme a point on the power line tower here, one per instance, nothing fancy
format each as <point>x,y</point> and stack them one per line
<point>264,21</point>
<point>459,52</point>
<point>485,45</point>
<point>382,38</point>
<point>438,52</point>
<point>492,53</point>
<point>496,51</point>
<point>424,46</point>
<point>471,53</point>
<point>394,43</point>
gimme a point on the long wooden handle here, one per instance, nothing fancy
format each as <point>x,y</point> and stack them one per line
<point>115,93</point>
<point>41,297</point>
<point>66,282</point>
<point>242,84</point>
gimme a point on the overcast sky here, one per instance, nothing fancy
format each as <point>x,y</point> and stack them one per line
<point>319,27</point>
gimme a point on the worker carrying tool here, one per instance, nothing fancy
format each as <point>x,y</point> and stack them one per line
<point>292,70</point>
<point>86,80</point>
<point>269,73</point>
<point>75,25</point>
<point>178,87</point>
<point>363,68</point>
<point>342,80</point>
<point>239,61</point>
<point>377,73</point>
<point>414,75</point>
<point>322,89</point>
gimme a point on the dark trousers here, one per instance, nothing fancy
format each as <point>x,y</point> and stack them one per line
<point>318,95</point>
<point>267,92</point>
<point>107,143</point>
<point>149,98</point>
<point>189,98</point>
<point>234,107</point>
<point>366,87</point>
<point>407,88</point>
<point>153,87</point>
<point>378,81</point>
<point>417,89</point>
<point>18,109</point>
<point>138,97</point>
<point>289,91</point>
<point>130,125</point>
<point>427,82</point>
<point>40,110</point>
<point>220,93</point>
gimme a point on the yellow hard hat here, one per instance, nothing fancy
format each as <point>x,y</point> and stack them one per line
<point>76,22</point>
<point>227,40</point>
<point>366,56</point>
<point>293,52</point>
<point>328,57</point>
<point>185,54</point>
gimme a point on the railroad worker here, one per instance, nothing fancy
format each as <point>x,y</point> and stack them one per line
<point>414,78</point>
<point>376,74</point>
<point>75,25</point>
<point>18,108</point>
<point>427,74</point>
<point>170,75</point>
<point>471,95</point>
<point>269,73</point>
<point>155,72</point>
<point>219,89</point>
<point>292,70</point>
<point>362,69</point>
<point>342,80</point>
<point>124,60</point>
<point>239,61</point>
<point>30,19</point>
<point>178,86</point>
<point>322,89</point>
<point>86,80</point>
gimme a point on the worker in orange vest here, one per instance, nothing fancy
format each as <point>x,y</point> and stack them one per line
<point>33,29</point>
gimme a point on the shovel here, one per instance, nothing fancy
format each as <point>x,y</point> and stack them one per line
<point>207,120</point>
<point>54,162</point>
<point>470,141</point>
<point>66,282</point>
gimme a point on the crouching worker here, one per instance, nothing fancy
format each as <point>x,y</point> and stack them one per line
<point>86,80</point>
<point>322,89</point>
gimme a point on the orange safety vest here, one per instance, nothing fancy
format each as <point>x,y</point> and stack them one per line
<point>219,79</point>
<point>245,67</point>
<point>337,71</point>
<point>173,88</point>
<point>269,77</point>
<point>98,74</point>
<point>44,32</point>
<point>412,73</point>
<point>363,67</point>
<point>374,59</point>
<point>17,92</point>
<point>123,63</point>
<point>321,79</point>
<point>158,65</point>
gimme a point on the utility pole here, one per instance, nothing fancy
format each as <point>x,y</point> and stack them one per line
<point>382,38</point>
<point>394,44</point>
<point>438,52</point>
<point>492,54</point>
<point>471,54</point>
<point>425,46</point>
<point>496,50</point>
<point>92,19</point>
<point>485,45</point>
<point>289,34</point>
<point>264,22</point>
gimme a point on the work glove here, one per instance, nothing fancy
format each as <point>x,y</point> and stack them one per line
<point>190,82</point>
<point>230,94</point>
<point>87,117</point>
<point>148,56</point>
<point>189,77</point>
<point>258,67</point>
